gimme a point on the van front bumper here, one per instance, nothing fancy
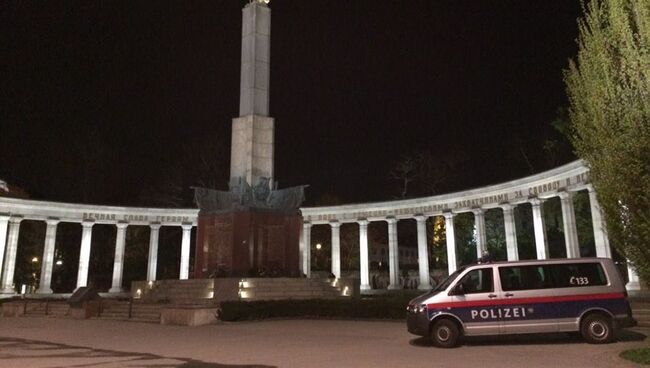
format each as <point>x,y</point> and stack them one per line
<point>417,323</point>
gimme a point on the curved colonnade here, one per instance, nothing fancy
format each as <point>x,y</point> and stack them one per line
<point>13,211</point>
<point>560,182</point>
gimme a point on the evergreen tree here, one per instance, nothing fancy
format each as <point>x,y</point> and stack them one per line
<point>609,91</point>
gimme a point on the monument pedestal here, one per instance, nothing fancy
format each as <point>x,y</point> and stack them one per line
<point>247,243</point>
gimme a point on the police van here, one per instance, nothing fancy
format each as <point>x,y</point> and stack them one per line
<point>585,295</point>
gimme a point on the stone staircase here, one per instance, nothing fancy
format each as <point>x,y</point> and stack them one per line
<point>125,310</point>
<point>289,288</point>
<point>192,291</point>
<point>641,312</point>
<point>47,308</point>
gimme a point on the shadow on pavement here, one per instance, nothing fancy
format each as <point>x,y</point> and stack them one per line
<point>631,335</point>
<point>421,342</point>
<point>20,350</point>
<point>532,339</point>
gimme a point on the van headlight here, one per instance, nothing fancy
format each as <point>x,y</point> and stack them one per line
<point>413,308</point>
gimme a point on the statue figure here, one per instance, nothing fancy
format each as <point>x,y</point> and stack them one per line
<point>261,190</point>
<point>242,195</point>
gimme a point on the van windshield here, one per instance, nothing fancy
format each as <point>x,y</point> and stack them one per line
<point>449,280</point>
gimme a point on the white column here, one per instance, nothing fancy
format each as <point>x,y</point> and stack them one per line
<point>393,254</point>
<point>451,242</point>
<point>10,259</point>
<point>306,248</point>
<point>423,253</point>
<point>541,243</point>
<point>363,255</point>
<point>600,229</point>
<point>4,226</point>
<point>633,283</point>
<point>511,231</point>
<point>84,253</point>
<point>569,222</point>
<point>47,264</point>
<point>118,260</point>
<point>185,252</point>
<point>152,264</point>
<point>481,238</point>
<point>336,248</point>
<point>301,247</point>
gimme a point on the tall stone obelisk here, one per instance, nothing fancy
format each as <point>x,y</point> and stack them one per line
<point>254,228</point>
<point>251,155</point>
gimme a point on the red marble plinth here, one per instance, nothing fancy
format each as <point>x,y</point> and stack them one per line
<point>247,243</point>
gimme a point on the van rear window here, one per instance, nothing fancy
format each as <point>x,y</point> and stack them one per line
<point>577,274</point>
<point>551,276</point>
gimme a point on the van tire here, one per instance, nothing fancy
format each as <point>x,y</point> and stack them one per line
<point>597,329</point>
<point>445,334</point>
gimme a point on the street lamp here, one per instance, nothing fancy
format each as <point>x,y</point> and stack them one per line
<point>318,247</point>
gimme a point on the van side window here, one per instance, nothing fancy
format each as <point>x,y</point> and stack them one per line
<point>524,278</point>
<point>577,274</point>
<point>478,281</point>
<point>552,276</point>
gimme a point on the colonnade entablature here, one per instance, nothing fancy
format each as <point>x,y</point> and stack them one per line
<point>78,213</point>
<point>571,177</point>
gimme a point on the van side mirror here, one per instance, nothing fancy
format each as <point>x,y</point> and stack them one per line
<point>459,289</point>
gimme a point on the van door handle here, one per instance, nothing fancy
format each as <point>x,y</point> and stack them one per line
<point>491,296</point>
<point>508,295</point>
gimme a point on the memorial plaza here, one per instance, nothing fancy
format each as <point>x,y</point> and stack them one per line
<point>256,226</point>
<point>257,242</point>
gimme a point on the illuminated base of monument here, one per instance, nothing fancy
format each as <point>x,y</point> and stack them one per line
<point>248,243</point>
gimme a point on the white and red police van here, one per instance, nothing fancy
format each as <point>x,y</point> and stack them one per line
<point>585,295</point>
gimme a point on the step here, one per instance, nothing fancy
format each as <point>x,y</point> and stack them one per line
<point>192,301</point>
<point>135,316</point>
<point>288,284</point>
<point>290,291</point>
<point>112,315</point>
<point>283,291</point>
<point>145,311</point>
<point>277,297</point>
<point>124,318</point>
<point>116,307</point>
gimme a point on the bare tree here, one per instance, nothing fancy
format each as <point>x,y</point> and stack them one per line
<point>405,171</point>
<point>202,165</point>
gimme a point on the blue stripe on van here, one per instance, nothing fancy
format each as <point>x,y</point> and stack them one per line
<point>530,308</point>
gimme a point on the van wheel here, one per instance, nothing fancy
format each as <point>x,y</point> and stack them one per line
<point>445,334</point>
<point>597,329</point>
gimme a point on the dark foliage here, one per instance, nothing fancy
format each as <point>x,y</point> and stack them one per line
<point>393,307</point>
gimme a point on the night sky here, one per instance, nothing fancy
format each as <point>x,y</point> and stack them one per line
<point>98,100</point>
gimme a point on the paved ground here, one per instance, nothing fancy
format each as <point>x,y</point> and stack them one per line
<point>47,342</point>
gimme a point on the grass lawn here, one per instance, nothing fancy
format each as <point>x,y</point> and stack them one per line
<point>641,356</point>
